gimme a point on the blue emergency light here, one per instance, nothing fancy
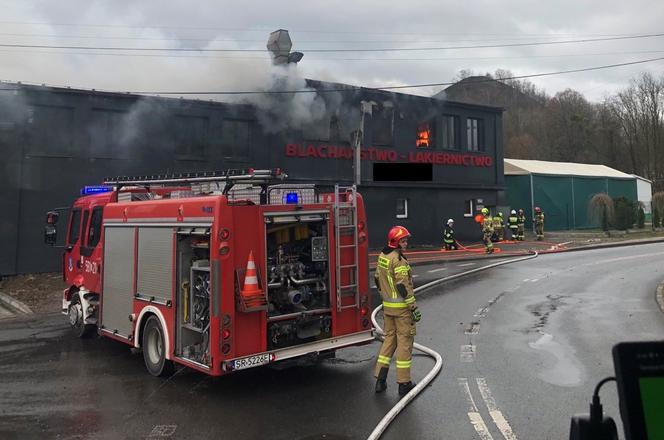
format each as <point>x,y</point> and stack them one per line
<point>95,189</point>
<point>291,198</point>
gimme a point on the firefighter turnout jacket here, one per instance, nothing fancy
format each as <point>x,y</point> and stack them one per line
<point>448,237</point>
<point>395,285</point>
<point>512,220</point>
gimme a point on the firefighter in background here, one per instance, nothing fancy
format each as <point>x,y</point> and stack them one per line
<point>448,237</point>
<point>512,221</point>
<point>395,285</point>
<point>498,227</point>
<point>539,223</point>
<point>487,230</point>
<point>521,225</point>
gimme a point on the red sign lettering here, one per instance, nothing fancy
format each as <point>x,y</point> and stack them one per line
<point>387,155</point>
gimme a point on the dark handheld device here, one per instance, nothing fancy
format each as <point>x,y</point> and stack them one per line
<point>640,375</point>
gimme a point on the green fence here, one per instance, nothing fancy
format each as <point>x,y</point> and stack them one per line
<point>564,199</point>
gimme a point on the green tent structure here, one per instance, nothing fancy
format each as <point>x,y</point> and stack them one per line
<point>563,190</point>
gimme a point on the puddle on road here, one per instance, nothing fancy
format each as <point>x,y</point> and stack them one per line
<point>565,370</point>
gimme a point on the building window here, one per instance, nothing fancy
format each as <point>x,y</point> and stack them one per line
<point>382,125</point>
<point>338,133</point>
<point>468,209</point>
<point>106,132</point>
<point>448,135</point>
<point>51,130</point>
<point>318,130</point>
<point>235,137</point>
<point>474,134</point>
<point>191,134</point>
<point>425,135</point>
<point>402,208</point>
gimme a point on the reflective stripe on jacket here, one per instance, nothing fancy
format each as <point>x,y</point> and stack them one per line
<point>512,221</point>
<point>448,235</point>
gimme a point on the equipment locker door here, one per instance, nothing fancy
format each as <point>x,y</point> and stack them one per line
<point>118,293</point>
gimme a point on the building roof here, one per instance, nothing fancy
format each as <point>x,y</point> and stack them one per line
<point>521,167</point>
<point>642,179</point>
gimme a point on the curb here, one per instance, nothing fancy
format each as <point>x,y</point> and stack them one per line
<point>607,245</point>
<point>526,252</point>
<point>14,305</point>
<point>659,296</point>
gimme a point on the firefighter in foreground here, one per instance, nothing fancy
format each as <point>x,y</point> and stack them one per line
<point>487,230</point>
<point>520,225</point>
<point>448,237</point>
<point>395,285</point>
<point>539,223</point>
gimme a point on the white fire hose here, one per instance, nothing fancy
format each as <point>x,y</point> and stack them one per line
<point>405,400</point>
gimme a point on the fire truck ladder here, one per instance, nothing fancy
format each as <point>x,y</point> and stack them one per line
<point>345,224</point>
<point>228,177</point>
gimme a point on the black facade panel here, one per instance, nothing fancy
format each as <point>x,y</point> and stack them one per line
<point>55,141</point>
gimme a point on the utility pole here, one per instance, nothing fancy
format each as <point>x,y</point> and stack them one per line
<point>366,107</point>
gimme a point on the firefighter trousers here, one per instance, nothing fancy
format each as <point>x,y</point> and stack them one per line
<point>400,332</point>
<point>539,230</point>
<point>486,238</point>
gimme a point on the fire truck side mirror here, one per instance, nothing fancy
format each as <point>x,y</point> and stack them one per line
<point>50,235</point>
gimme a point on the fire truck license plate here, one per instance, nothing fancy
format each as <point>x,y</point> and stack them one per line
<point>252,361</point>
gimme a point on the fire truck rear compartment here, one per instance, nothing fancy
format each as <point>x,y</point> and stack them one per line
<point>298,280</point>
<point>193,341</point>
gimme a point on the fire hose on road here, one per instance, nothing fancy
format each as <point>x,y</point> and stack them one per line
<point>405,400</point>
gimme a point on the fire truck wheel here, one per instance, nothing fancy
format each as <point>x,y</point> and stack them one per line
<point>75,315</point>
<point>154,348</point>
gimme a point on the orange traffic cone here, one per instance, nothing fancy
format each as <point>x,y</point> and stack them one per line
<point>251,293</point>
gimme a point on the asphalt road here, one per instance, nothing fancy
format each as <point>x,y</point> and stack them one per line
<point>524,345</point>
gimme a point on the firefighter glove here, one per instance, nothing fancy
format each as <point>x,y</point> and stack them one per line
<point>415,313</point>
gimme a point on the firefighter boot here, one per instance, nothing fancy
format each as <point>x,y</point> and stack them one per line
<point>381,380</point>
<point>404,388</point>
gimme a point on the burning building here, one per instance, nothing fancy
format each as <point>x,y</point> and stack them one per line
<point>423,160</point>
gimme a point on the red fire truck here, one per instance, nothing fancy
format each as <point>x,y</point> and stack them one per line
<point>217,271</point>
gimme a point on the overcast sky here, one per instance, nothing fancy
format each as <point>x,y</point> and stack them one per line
<point>207,24</point>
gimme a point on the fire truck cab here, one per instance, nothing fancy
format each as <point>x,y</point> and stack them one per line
<point>217,271</point>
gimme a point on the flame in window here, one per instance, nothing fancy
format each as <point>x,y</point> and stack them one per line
<point>423,135</point>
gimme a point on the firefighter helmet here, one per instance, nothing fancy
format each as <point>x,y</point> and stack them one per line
<point>450,221</point>
<point>513,212</point>
<point>500,214</point>
<point>485,211</point>
<point>521,211</point>
<point>538,209</point>
<point>396,234</point>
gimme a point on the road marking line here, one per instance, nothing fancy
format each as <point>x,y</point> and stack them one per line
<point>473,328</point>
<point>473,414</point>
<point>526,280</point>
<point>467,353</point>
<point>534,280</point>
<point>466,264</point>
<point>162,431</point>
<point>481,312</point>
<point>415,276</point>
<point>495,413</point>
<point>437,270</point>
